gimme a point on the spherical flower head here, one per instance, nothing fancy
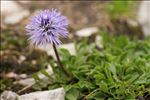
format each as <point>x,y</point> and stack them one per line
<point>47,27</point>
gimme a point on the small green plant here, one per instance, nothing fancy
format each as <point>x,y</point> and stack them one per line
<point>9,40</point>
<point>5,84</point>
<point>120,8</point>
<point>121,71</point>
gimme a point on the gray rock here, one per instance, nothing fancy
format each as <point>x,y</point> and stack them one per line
<point>49,49</point>
<point>98,41</point>
<point>9,95</point>
<point>86,32</point>
<point>12,13</point>
<point>56,94</point>
<point>144,17</point>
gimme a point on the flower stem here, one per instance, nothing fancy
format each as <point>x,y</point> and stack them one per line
<point>59,62</point>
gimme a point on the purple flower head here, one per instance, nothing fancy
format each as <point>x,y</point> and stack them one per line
<point>46,27</point>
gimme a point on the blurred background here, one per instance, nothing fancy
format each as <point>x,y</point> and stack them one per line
<point>87,18</point>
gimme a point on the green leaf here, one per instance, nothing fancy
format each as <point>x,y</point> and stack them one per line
<point>46,74</point>
<point>72,94</point>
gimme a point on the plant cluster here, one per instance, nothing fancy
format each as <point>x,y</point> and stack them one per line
<point>120,71</point>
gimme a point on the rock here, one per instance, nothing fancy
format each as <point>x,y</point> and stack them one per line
<point>21,59</point>
<point>98,41</point>
<point>132,23</point>
<point>31,81</point>
<point>144,18</point>
<point>26,82</point>
<point>70,47</point>
<point>57,94</point>
<point>49,49</point>
<point>12,12</point>
<point>15,76</point>
<point>86,32</point>
<point>9,7</point>
<point>9,95</point>
<point>16,17</point>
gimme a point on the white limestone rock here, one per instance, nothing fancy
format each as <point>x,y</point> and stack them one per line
<point>98,41</point>
<point>144,17</point>
<point>9,95</point>
<point>12,13</point>
<point>86,32</point>
<point>57,94</point>
<point>49,49</point>
<point>70,47</point>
